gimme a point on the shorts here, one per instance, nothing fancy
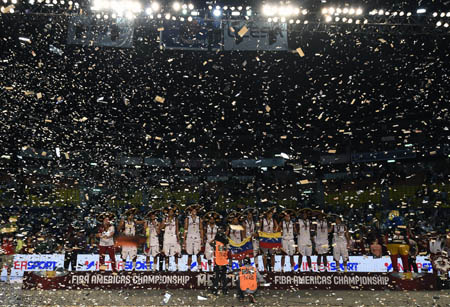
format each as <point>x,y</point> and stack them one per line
<point>153,250</point>
<point>305,249</point>
<point>129,252</point>
<point>266,251</point>
<point>209,252</point>
<point>193,246</point>
<point>6,260</point>
<point>322,247</point>
<point>288,246</point>
<point>171,249</point>
<point>398,249</point>
<point>340,250</point>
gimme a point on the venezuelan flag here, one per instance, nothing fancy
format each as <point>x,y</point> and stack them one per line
<point>269,240</point>
<point>241,250</point>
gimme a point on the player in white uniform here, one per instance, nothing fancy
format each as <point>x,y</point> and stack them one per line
<point>171,238</point>
<point>211,231</point>
<point>287,240</point>
<point>235,230</point>
<point>269,225</point>
<point>304,243</point>
<point>341,241</point>
<point>193,234</point>
<point>321,241</point>
<point>128,229</point>
<point>250,230</point>
<point>152,230</point>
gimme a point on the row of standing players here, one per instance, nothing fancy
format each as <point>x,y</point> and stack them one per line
<point>199,233</point>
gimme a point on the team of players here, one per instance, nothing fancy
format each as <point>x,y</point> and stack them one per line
<point>199,233</point>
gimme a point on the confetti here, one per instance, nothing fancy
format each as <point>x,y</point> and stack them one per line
<point>300,52</point>
<point>243,31</point>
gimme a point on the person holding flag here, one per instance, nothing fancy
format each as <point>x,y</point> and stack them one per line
<point>287,241</point>
<point>251,230</point>
<point>269,238</point>
<point>239,247</point>
<point>128,229</point>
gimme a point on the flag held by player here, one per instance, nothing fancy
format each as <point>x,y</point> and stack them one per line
<point>241,250</point>
<point>269,240</point>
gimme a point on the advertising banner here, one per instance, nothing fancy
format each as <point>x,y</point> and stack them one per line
<point>90,262</point>
<point>197,34</point>
<point>89,31</point>
<point>191,280</point>
<point>255,35</point>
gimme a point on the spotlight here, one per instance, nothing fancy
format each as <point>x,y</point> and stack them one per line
<point>155,6</point>
<point>275,19</point>
<point>283,19</point>
<point>442,14</point>
<point>189,18</point>
<point>351,11</point>
<point>217,12</point>
<point>167,16</point>
<point>359,11</point>
<point>435,14</point>
<point>380,12</point>
<point>373,12</point>
<point>176,6</point>
<point>439,23</point>
<point>408,14</point>
<point>344,19</point>
<point>297,21</point>
<point>338,11</point>
<point>448,14</point>
<point>239,8</point>
<point>350,20</point>
<point>268,10</point>
<point>291,21</point>
<point>304,11</point>
<point>401,13</point>
<point>337,19</point>
<point>328,18</point>
<point>331,10</point>
<point>181,18</point>
<point>235,13</point>
<point>324,11</point>
<point>446,25</point>
<point>366,21</point>
<point>345,10</point>
<point>296,11</point>
<point>394,14</point>
<point>269,19</point>
<point>184,11</point>
<point>306,22</point>
<point>249,12</point>
<point>54,1</point>
<point>190,6</point>
<point>357,21</point>
<point>421,11</point>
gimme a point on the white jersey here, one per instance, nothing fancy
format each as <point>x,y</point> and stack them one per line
<point>107,241</point>
<point>339,234</point>
<point>211,232</point>
<point>152,239</point>
<point>268,226</point>
<point>322,231</point>
<point>304,231</point>
<point>235,235</point>
<point>170,231</point>
<point>130,229</point>
<point>193,230</point>
<point>436,246</point>
<point>250,228</point>
<point>288,230</point>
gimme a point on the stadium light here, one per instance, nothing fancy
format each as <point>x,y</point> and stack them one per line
<point>359,11</point>
<point>176,6</point>
<point>217,12</point>
<point>446,25</point>
<point>155,6</point>
<point>448,14</point>
<point>190,6</point>
<point>439,23</point>
<point>324,11</point>
<point>328,18</point>
<point>421,11</point>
